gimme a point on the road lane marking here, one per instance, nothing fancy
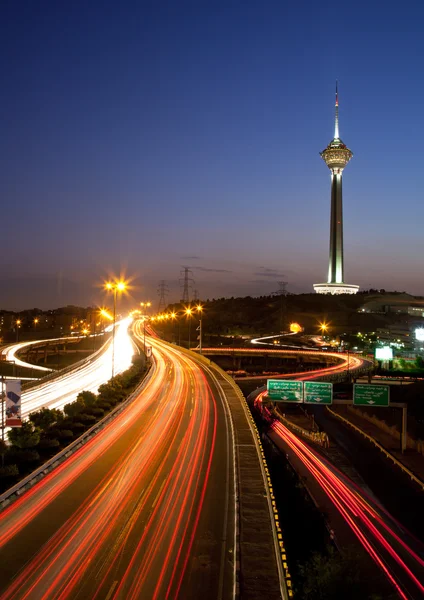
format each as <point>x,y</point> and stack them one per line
<point>112,589</point>
<point>158,494</point>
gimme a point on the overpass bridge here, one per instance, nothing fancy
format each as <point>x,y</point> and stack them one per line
<point>287,363</point>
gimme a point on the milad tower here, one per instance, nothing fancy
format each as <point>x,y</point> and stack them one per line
<point>336,157</point>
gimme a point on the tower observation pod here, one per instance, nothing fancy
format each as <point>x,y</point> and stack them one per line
<point>336,157</point>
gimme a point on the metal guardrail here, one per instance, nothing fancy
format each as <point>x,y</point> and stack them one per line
<point>319,437</point>
<point>380,447</point>
<point>19,488</point>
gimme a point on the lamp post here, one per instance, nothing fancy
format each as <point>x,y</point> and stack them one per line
<point>348,365</point>
<point>145,306</point>
<point>324,329</point>
<point>18,324</point>
<point>173,316</point>
<point>199,309</point>
<point>118,286</point>
<point>188,313</point>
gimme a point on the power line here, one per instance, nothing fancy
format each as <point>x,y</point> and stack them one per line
<point>186,281</point>
<point>163,291</point>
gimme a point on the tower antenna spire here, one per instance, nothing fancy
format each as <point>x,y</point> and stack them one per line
<point>336,120</point>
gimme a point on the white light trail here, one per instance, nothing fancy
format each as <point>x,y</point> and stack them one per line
<point>89,376</point>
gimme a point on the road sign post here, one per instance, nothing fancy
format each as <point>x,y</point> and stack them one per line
<point>284,390</point>
<point>318,392</point>
<point>371,395</point>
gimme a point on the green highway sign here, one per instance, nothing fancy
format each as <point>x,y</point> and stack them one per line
<point>318,392</point>
<point>285,390</point>
<point>371,395</point>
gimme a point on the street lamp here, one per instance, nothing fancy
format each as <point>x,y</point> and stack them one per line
<point>188,313</point>
<point>199,309</point>
<point>18,324</point>
<point>117,286</point>
<point>173,316</point>
<point>145,306</point>
<point>324,328</point>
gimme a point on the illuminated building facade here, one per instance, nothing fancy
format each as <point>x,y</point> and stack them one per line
<point>336,156</point>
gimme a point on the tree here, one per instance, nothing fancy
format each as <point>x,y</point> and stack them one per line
<point>3,450</point>
<point>74,408</point>
<point>419,362</point>
<point>48,444</point>
<point>26,436</point>
<point>45,417</point>
<point>87,398</point>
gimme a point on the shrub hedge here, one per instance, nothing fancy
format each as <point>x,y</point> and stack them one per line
<point>47,431</point>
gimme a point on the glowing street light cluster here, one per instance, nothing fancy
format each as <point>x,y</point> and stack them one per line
<point>188,313</point>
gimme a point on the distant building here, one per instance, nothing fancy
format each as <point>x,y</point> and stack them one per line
<point>403,304</point>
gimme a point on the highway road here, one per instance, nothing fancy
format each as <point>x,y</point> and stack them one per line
<point>343,362</point>
<point>10,354</point>
<point>145,510</point>
<point>97,370</point>
<point>393,549</point>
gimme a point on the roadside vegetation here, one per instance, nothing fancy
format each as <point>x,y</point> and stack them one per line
<point>330,575</point>
<point>48,431</point>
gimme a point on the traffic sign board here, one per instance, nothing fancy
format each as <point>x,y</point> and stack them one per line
<point>318,392</point>
<point>371,395</point>
<point>285,390</point>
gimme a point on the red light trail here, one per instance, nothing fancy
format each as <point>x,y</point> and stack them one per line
<point>345,362</point>
<point>373,526</point>
<point>119,518</point>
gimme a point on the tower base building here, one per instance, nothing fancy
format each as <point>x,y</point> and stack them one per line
<point>335,288</point>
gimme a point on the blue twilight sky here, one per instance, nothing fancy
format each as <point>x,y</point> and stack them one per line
<point>141,136</point>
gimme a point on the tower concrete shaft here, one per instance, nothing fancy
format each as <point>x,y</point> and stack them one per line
<point>336,263</point>
<point>336,157</point>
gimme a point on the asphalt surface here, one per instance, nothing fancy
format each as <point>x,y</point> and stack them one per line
<point>353,512</point>
<point>146,509</point>
<point>399,494</point>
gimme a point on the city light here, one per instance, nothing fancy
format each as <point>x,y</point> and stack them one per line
<point>419,334</point>
<point>384,353</point>
<point>105,314</point>
<point>119,286</point>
